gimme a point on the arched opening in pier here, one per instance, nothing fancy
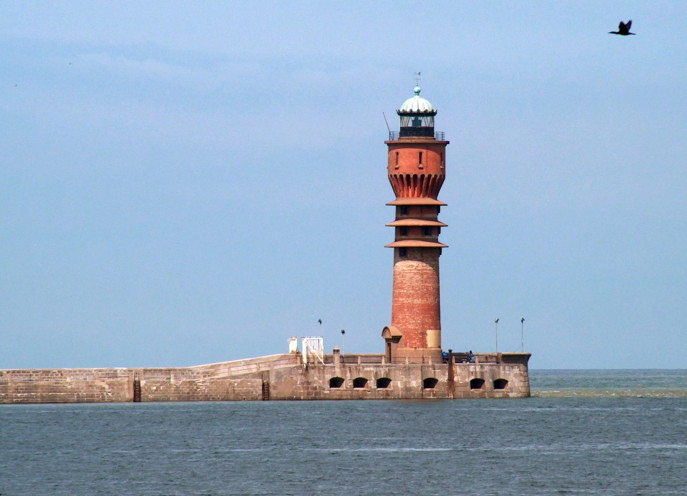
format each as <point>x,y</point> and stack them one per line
<point>476,383</point>
<point>383,383</point>
<point>359,383</point>
<point>429,383</point>
<point>336,382</point>
<point>500,384</point>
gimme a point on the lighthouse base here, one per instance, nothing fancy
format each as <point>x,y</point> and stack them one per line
<point>417,355</point>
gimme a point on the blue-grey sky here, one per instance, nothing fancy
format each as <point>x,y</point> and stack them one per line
<point>186,183</point>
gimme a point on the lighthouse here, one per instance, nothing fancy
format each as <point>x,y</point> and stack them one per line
<point>416,169</point>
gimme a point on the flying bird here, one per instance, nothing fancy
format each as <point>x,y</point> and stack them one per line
<point>623,28</point>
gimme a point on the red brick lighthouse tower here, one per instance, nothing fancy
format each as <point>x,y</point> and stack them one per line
<point>416,168</point>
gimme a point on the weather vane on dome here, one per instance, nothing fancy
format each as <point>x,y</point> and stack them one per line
<point>417,78</point>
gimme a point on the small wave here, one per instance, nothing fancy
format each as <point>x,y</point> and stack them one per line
<point>381,449</point>
<point>610,393</point>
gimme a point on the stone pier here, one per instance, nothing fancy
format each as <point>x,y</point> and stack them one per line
<point>277,377</point>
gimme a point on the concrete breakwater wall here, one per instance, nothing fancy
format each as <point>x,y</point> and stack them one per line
<point>275,377</point>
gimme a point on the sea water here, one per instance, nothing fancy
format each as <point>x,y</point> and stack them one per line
<point>582,433</point>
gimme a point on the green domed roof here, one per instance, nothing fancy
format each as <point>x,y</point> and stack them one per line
<point>416,104</point>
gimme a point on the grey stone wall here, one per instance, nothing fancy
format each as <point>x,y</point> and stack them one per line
<point>276,377</point>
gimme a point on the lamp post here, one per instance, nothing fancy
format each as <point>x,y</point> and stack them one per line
<point>343,341</point>
<point>522,334</point>
<point>496,328</point>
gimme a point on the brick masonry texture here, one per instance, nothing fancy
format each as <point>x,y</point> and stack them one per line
<point>415,303</point>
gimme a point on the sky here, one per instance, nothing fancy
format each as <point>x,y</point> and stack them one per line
<point>194,182</point>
